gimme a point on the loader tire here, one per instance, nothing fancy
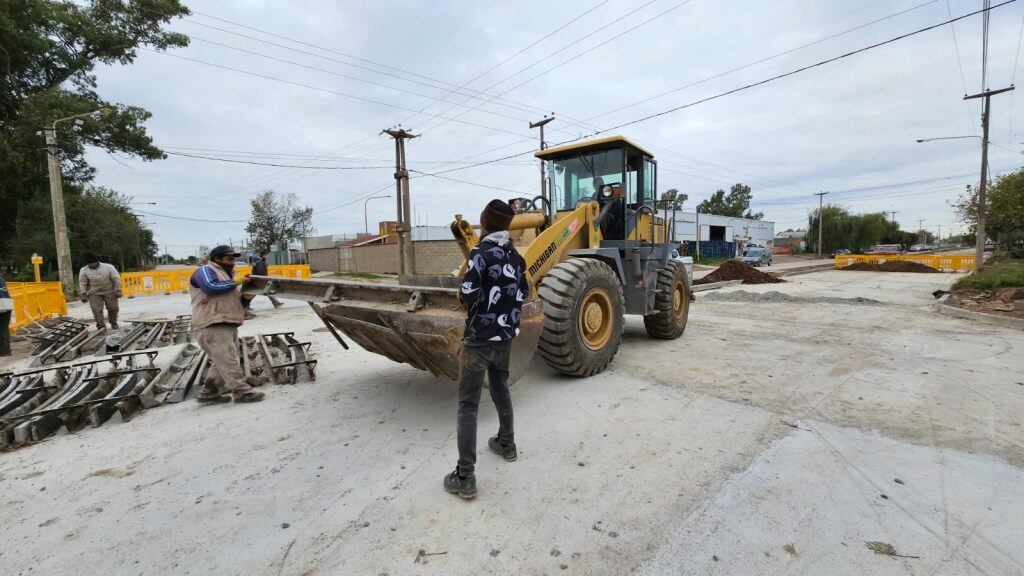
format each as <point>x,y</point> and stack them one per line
<point>583,316</point>
<point>671,303</point>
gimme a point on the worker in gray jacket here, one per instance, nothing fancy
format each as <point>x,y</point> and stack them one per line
<point>99,284</point>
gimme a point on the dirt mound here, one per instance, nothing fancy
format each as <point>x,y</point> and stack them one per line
<point>891,266</point>
<point>736,270</point>
<point>1009,295</point>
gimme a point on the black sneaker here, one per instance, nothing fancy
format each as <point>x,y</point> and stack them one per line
<point>464,486</point>
<point>506,451</point>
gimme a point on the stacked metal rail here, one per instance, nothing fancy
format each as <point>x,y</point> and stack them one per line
<point>38,402</point>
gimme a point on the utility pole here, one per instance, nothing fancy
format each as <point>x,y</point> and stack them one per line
<point>979,243</point>
<point>543,176</point>
<point>894,213</point>
<point>60,225</point>
<point>821,218</point>
<point>920,230</point>
<point>696,223</point>
<point>406,257</point>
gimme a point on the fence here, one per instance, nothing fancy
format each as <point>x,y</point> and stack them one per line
<point>712,249</point>
<point>36,301</point>
<point>946,262</point>
<point>153,281</point>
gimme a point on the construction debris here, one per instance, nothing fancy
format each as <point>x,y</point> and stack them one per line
<point>36,403</point>
<point>891,266</point>
<point>736,270</point>
<point>70,339</point>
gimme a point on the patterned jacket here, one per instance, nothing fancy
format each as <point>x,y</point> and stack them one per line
<point>493,290</point>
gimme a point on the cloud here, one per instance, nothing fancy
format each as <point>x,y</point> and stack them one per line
<point>847,125</point>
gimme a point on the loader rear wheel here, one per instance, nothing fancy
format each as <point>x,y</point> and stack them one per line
<point>671,303</point>
<point>583,316</point>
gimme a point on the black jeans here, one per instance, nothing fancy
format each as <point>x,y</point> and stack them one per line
<point>5,334</point>
<point>490,359</point>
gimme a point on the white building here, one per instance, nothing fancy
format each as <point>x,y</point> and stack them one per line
<point>723,229</point>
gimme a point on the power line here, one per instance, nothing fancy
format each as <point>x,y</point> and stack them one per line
<point>760,61</point>
<point>320,89</point>
<point>346,76</point>
<point>503,62</point>
<point>573,43</point>
<point>747,86</point>
<point>960,65</point>
<point>187,218</point>
<point>468,182</point>
<point>237,161</point>
<point>801,69</point>
<point>502,101</point>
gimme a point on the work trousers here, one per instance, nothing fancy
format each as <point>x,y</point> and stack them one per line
<point>492,360</point>
<point>5,332</point>
<point>220,342</point>
<point>97,301</point>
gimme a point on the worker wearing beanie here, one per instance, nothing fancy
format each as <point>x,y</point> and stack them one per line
<point>493,292</point>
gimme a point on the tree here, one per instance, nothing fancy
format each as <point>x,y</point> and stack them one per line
<point>856,232</point>
<point>735,204</point>
<point>100,222</point>
<point>672,200</point>
<point>1004,212</point>
<point>277,220</point>
<point>48,50</point>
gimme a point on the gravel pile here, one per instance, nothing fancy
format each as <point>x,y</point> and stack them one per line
<point>774,297</point>
<point>736,270</point>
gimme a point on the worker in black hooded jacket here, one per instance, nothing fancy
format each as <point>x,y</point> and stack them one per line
<point>493,291</point>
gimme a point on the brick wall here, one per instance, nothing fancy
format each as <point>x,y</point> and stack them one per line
<point>433,257</point>
<point>437,257</point>
<point>381,259</point>
<point>324,259</point>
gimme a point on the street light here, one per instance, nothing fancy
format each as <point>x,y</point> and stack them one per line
<point>60,226</point>
<point>366,220</point>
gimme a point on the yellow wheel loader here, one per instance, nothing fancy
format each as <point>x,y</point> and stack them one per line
<point>595,250</point>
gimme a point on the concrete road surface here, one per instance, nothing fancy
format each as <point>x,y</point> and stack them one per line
<point>795,429</point>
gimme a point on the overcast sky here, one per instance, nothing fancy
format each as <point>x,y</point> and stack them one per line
<point>848,127</point>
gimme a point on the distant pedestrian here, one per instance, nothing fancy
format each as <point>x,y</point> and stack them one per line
<point>99,284</point>
<point>493,291</point>
<point>259,268</point>
<point>216,315</point>
<point>6,308</point>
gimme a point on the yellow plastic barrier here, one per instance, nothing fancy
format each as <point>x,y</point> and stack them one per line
<point>36,301</point>
<point>158,281</point>
<point>944,262</point>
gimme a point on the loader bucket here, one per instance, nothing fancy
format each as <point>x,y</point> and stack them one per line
<point>417,325</point>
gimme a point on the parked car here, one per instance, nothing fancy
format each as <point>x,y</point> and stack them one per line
<point>840,252</point>
<point>757,256</point>
<point>991,246</point>
<point>687,262</point>
<point>889,249</point>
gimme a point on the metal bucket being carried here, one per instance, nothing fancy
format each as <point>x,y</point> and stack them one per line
<point>416,325</point>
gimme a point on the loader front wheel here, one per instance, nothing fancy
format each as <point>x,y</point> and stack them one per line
<point>671,303</point>
<point>583,316</point>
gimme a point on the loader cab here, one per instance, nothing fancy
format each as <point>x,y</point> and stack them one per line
<point>619,175</point>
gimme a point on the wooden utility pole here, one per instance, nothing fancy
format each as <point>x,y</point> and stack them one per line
<point>979,242</point>
<point>60,225</point>
<point>894,213</point>
<point>406,257</point>
<point>821,218</point>
<point>543,176</point>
